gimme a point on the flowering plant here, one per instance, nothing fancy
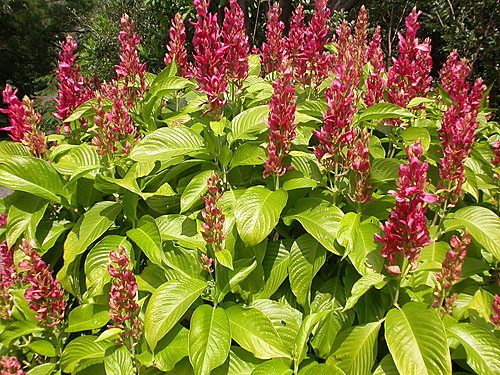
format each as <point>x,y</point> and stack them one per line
<point>305,209</point>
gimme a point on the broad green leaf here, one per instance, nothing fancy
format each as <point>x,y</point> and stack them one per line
<point>165,143</point>
<point>248,154</point>
<point>366,255</point>
<point>240,362</point>
<point>228,279</point>
<point>44,369</point>
<point>48,232</point>
<point>482,224</point>
<point>383,111</point>
<point>307,326</point>
<point>361,287</point>
<point>31,175</point>
<point>87,317</point>
<point>354,351</point>
<point>411,135</point>
<point>86,109</point>
<point>109,334</point>
<point>255,332</point>
<point>181,229</point>
<point>9,148</point>
<point>482,347</point>
<point>24,215</point>
<point>167,305</point>
<point>346,231</point>
<point>225,258</point>
<point>43,347</point>
<point>275,265</point>
<point>306,258</point>
<point>249,124</point>
<point>196,187</point>
<point>385,169</point>
<point>80,159</point>
<point>481,308</point>
<point>88,229</point>
<point>172,348</point>
<point>82,348</point>
<point>319,218</point>
<point>209,339</point>
<point>386,367</point>
<point>18,329</point>
<point>257,211</point>
<point>273,367</point>
<point>420,331</point>
<point>147,237</point>
<point>118,361</point>
<point>321,369</point>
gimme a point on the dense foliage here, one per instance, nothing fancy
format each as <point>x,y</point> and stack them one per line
<point>304,209</point>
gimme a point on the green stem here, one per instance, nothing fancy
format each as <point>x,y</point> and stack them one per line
<point>277,182</point>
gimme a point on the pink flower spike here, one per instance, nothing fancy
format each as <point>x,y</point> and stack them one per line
<point>495,318</point>
<point>273,50</point>
<point>10,366</point>
<point>8,278</point>
<point>213,217</point>
<point>177,48</point>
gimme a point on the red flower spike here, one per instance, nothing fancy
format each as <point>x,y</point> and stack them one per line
<point>10,366</point>
<point>451,271</point>
<point>273,51</point>
<point>45,295</point>
<point>213,217</point>
<point>281,123</point>
<point>73,90</point>
<point>405,231</point>
<point>8,278</point>
<point>296,40</point>
<point>24,122</point>
<point>409,76</point>
<point>495,318</point>
<point>209,55</point>
<point>177,48</point>
<point>235,37</point>
<point>375,83</point>
<point>458,128</point>
<point>124,309</point>
<point>129,68</point>
<point>360,157</point>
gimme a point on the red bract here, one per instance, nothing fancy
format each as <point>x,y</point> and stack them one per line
<point>273,51</point>
<point>8,277</point>
<point>236,40</point>
<point>10,366</point>
<point>495,318</point>
<point>209,56</point>
<point>72,91</point>
<point>296,38</point>
<point>281,123</point>
<point>177,48</point>
<point>360,176</point>
<point>458,128</point>
<point>114,132</point>
<point>451,270</point>
<point>405,231</point>
<point>45,295</point>
<point>213,217</point>
<point>375,83</point>
<point>124,309</point>
<point>130,69</point>
<point>3,219</point>
<point>495,147</point>
<point>409,76</point>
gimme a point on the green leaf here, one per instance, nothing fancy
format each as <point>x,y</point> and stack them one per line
<point>86,109</point>
<point>240,362</point>
<point>18,329</point>
<point>147,237</point>
<point>196,187</point>
<point>82,348</point>
<point>420,331</point>
<point>225,258</point>
<point>361,287</point>
<point>248,154</point>
<point>209,339</point>
<point>321,369</point>
<point>275,265</point>
<point>109,334</point>
<point>385,169</point>
<point>165,143</point>
<point>382,111</point>
<point>482,224</point>
<point>354,350</point>
<point>181,229</point>
<point>228,279</point>
<point>87,317</point>
<point>273,367</point>
<point>9,148</point>
<point>306,258</point>
<point>255,332</point>
<point>172,348</point>
<point>44,369</point>
<point>257,211</point>
<point>411,135</point>
<point>249,124</point>
<point>24,215</point>
<point>167,305</point>
<point>319,218</point>
<point>78,161</point>
<point>307,326</point>
<point>118,361</point>
<point>366,256</point>
<point>386,367</point>
<point>31,175</point>
<point>346,231</point>
<point>43,347</point>
<point>482,347</point>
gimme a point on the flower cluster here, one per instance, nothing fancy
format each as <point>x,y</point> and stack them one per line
<point>495,318</point>
<point>458,128</point>
<point>24,122</point>
<point>451,270</point>
<point>209,56</point>
<point>124,309</point>
<point>212,215</point>
<point>375,82</point>
<point>177,48</point>
<point>405,231</point>
<point>409,76</point>
<point>294,43</point>
<point>206,263</point>
<point>235,37</point>
<point>72,89</point>
<point>8,277</point>
<point>3,219</point>
<point>281,123</point>
<point>130,69</point>
<point>360,176</point>
<point>45,295</point>
<point>273,50</point>
<point>10,366</point>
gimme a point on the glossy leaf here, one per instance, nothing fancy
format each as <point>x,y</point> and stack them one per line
<point>248,124</point>
<point>147,237</point>
<point>82,348</point>
<point>196,187</point>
